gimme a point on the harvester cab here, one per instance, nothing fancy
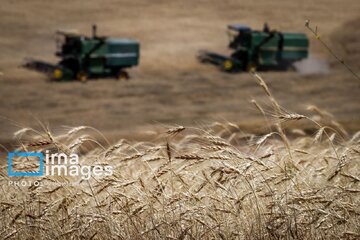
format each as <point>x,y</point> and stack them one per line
<point>68,48</point>
<point>266,49</point>
<point>65,39</point>
<point>237,35</point>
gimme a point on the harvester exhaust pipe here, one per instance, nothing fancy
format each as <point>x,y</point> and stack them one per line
<point>94,29</point>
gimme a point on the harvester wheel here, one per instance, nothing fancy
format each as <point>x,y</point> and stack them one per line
<point>57,74</point>
<point>82,76</point>
<point>122,75</point>
<point>251,67</point>
<point>228,65</point>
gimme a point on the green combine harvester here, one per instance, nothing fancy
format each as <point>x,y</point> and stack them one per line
<point>262,50</point>
<point>85,57</point>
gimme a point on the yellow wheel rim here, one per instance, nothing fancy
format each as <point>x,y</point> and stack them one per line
<point>122,77</point>
<point>251,67</point>
<point>82,76</point>
<point>57,74</point>
<point>228,65</point>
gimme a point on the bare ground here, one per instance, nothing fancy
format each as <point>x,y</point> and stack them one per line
<point>170,87</point>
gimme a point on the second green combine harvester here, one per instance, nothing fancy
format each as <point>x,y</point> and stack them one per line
<point>259,49</point>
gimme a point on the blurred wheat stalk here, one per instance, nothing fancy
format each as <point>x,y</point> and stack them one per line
<point>328,48</point>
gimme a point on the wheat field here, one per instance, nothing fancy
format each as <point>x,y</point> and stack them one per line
<point>170,86</point>
<point>216,182</point>
<point>256,156</point>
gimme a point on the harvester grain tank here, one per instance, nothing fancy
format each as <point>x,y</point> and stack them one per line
<point>259,49</point>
